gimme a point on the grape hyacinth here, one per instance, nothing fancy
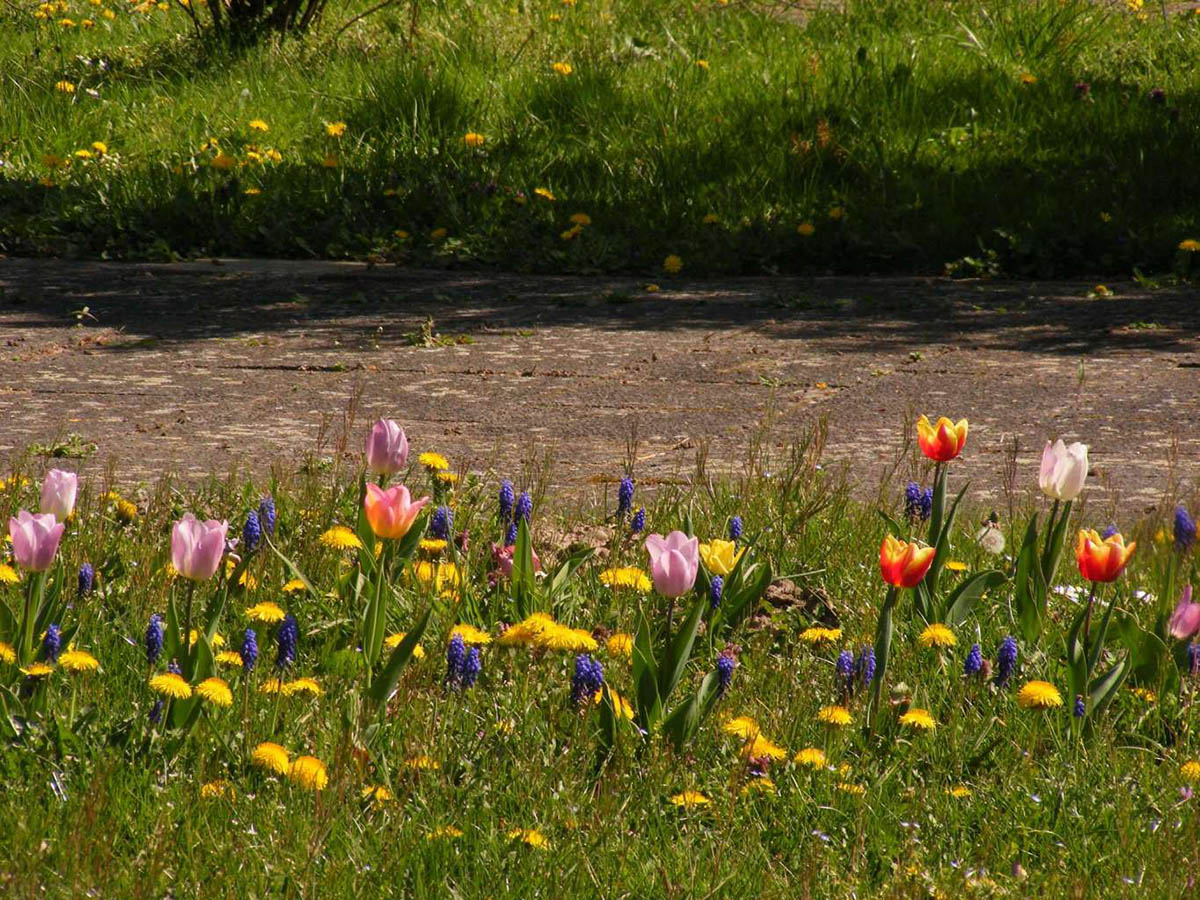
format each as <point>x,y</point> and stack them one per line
<point>625,497</point>
<point>173,667</point>
<point>524,507</point>
<point>471,668</point>
<point>588,678</point>
<point>506,500</point>
<point>714,591</point>
<point>918,504</point>
<point>639,521</point>
<point>864,666</point>
<point>251,532</point>
<point>154,639</point>
<point>266,514</point>
<point>456,654</point>
<point>1080,707</point>
<point>1185,529</point>
<point>1109,532</point>
<point>441,523</point>
<point>726,663</point>
<point>1193,656</point>
<point>289,633</point>
<point>87,579</point>
<point>510,535</point>
<point>735,528</point>
<point>1006,660</point>
<point>156,711</point>
<point>249,650</point>
<point>845,671</point>
<point>51,644</point>
<point>974,661</point>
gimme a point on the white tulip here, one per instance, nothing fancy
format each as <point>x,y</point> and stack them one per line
<point>1064,469</point>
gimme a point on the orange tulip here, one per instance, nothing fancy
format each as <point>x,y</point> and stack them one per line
<point>943,440</point>
<point>1101,559</point>
<point>391,513</point>
<point>904,565</point>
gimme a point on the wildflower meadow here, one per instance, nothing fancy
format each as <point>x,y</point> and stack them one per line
<point>415,680</point>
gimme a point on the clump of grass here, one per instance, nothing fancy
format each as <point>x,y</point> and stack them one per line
<point>1038,138</point>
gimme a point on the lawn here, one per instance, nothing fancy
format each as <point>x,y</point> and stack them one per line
<point>1037,138</point>
<point>386,700</point>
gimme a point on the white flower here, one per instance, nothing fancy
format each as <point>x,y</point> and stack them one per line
<point>1063,470</point>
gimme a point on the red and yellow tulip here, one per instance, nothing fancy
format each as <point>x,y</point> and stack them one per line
<point>943,440</point>
<point>1101,559</point>
<point>904,564</point>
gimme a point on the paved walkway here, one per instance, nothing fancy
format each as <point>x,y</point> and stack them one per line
<point>200,367</point>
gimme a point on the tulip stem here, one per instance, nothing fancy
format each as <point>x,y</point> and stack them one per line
<point>1087,619</point>
<point>883,644</point>
<point>187,631</point>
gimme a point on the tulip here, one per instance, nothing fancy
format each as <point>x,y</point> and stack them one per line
<point>197,547</point>
<point>1064,469</point>
<point>904,565</point>
<point>34,540</point>
<point>503,559</point>
<point>720,557</point>
<point>1101,559</point>
<point>387,448</point>
<point>1185,621</point>
<point>943,440</point>
<point>674,562</point>
<point>391,513</point>
<point>58,493</point>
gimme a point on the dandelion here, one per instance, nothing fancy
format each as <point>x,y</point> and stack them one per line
<point>37,670</point>
<point>392,641</point>
<point>377,795</point>
<point>422,764</point>
<point>959,791</point>
<point>846,787</point>
<point>470,635</point>
<point>229,658</point>
<point>544,193</point>
<point>761,785</point>
<point>79,661</point>
<point>302,686</point>
<point>689,800</point>
<point>627,577</point>
<point>919,719</point>
<point>937,635</point>
<point>806,229</point>
<point>559,637</point>
<point>562,68</point>
<point>1190,245</point>
<point>268,613</point>
<point>64,87</point>
<point>1039,695</point>
<point>215,691</point>
<point>531,837</point>
<point>620,644</point>
<point>444,831</point>
<point>249,654</point>
<point>308,772</point>
<point>741,726</point>
<point>8,575</point>
<point>1006,660</point>
<point>834,716</point>
<point>581,219</point>
<point>154,639</point>
<point>335,129</point>
<point>837,213</point>
<point>293,586</point>
<point>259,125</point>
<point>973,664</point>
<point>214,790</point>
<point>811,757</point>
<point>339,537</point>
<point>1190,770</point>
<point>473,139</point>
<point>7,653</point>
<point>172,685</point>
<point>673,264</point>
<point>819,635</point>
<point>434,462</point>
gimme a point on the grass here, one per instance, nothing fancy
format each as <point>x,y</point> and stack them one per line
<point>98,799</point>
<point>1038,138</point>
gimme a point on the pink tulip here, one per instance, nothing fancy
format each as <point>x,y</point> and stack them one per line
<point>58,493</point>
<point>197,547</point>
<point>391,513</point>
<point>674,562</point>
<point>34,540</point>
<point>387,448</point>
<point>1185,621</point>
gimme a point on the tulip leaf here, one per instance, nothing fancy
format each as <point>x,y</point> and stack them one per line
<point>883,647</point>
<point>568,569</point>
<point>645,677</point>
<point>8,624</point>
<point>385,682</point>
<point>608,726</point>
<point>1077,672</point>
<point>293,569</point>
<point>681,725</point>
<point>1103,689</point>
<point>522,571</point>
<point>1025,596</point>
<point>942,544</point>
<point>171,641</point>
<point>1101,635</point>
<point>1055,540</point>
<point>680,650</point>
<point>962,599</point>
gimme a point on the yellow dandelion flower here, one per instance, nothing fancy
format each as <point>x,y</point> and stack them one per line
<point>711,219</point>
<point>673,265</point>
<point>544,193</point>
<point>83,154</point>
<point>308,686</point>
<point>446,477</point>
<point>581,219</point>
<point>531,837</point>
<point>392,641</point>
<point>837,213</point>
<point>959,791</point>
<point>689,799</point>
<point>954,565</point>
<point>432,546</point>
<point>1039,695</point>
<point>652,289</point>
<point>100,147</point>
<point>7,653</point>
<point>308,772</point>
<point>702,64</point>
<point>444,831</point>
<point>720,556</point>
<point>473,139</point>
<point>837,716</point>
<point>335,129</point>
<point>434,461</point>
<point>819,635</point>
<point>215,691</point>
<point>40,670</point>
<point>621,707</point>
<point>1190,245</point>
<point>222,161</point>
<point>194,635</point>
<point>230,658</point>
<point>560,637</point>
<point>8,575</point>
<point>937,635</point>
<point>438,234</point>
<point>64,87</point>
<point>422,764</point>
<point>78,661</point>
<point>847,787</point>
<point>266,612</point>
<point>259,125</point>
<point>271,686</point>
<point>1027,78</point>
<point>292,586</point>
<point>810,756</point>
<point>562,68</point>
<point>339,537</point>
<point>742,726</point>
<point>378,794</point>
<point>1190,770</point>
<point>806,229</point>
<point>620,644</point>
<point>171,685</point>
<point>759,786</point>
<point>471,635</point>
<point>627,577</point>
<point>213,790</point>
<point>1145,694</point>
<point>918,718</point>
<point>760,747</point>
